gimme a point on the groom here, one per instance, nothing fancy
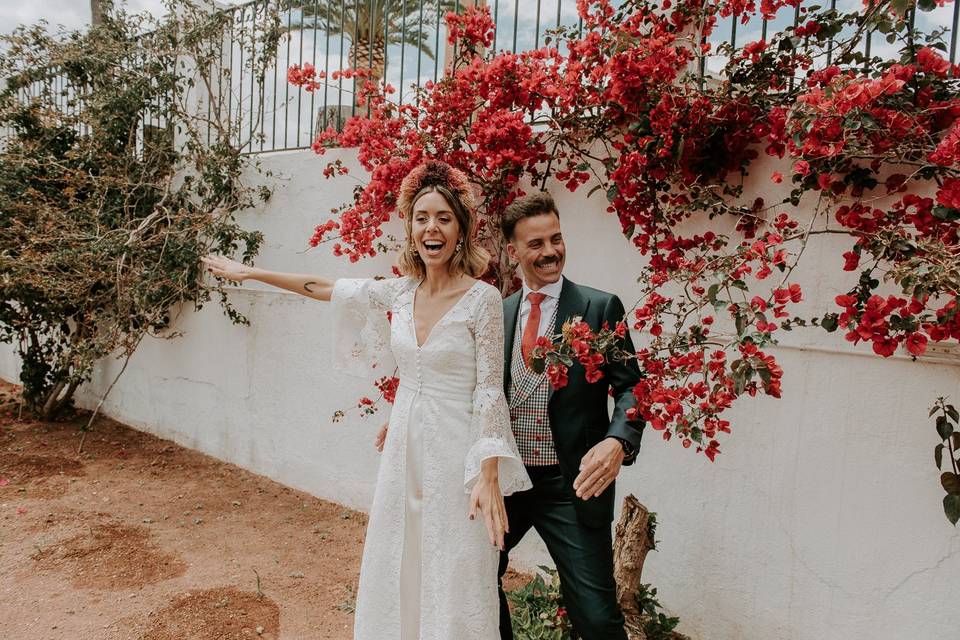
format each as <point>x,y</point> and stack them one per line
<point>571,446</point>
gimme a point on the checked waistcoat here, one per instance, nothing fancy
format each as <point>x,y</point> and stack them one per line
<point>528,395</point>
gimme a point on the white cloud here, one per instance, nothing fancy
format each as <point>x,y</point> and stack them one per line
<point>71,14</point>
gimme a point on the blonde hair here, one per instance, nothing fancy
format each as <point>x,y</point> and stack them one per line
<point>434,176</point>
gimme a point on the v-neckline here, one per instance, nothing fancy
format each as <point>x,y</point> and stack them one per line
<point>413,314</point>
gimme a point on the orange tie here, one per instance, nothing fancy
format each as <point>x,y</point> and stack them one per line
<point>530,331</point>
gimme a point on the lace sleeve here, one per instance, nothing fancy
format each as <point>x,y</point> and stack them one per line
<point>361,326</point>
<point>490,424</point>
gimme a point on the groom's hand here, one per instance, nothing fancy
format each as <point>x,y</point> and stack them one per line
<point>599,468</point>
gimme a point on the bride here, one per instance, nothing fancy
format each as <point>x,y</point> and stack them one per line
<point>429,569</point>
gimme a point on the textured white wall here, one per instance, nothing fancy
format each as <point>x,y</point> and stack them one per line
<point>820,520</point>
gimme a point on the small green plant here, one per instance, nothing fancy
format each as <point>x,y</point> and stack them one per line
<point>538,613</point>
<point>537,609</point>
<point>947,424</point>
<point>350,604</point>
<point>656,624</point>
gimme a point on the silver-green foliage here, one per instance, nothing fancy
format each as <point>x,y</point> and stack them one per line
<point>113,182</point>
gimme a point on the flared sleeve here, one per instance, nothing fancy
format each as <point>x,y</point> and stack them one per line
<point>361,325</point>
<point>490,421</point>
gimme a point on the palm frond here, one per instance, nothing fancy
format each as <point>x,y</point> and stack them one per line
<point>410,22</point>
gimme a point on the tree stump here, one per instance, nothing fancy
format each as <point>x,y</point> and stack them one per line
<point>634,539</point>
<point>630,547</point>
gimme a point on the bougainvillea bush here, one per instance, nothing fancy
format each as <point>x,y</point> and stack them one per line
<point>111,188</point>
<point>871,147</point>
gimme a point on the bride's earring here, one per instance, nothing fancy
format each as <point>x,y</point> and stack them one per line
<point>459,245</point>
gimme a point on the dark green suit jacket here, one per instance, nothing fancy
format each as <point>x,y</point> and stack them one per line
<point>579,416</point>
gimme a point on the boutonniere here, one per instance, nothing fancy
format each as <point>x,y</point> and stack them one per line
<point>577,342</point>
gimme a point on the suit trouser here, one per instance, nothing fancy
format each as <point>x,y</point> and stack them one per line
<point>583,556</point>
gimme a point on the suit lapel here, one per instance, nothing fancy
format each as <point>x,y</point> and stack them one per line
<point>572,303</point>
<point>511,308</point>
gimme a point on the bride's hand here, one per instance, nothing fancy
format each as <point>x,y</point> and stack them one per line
<point>226,268</point>
<point>381,438</point>
<point>487,498</point>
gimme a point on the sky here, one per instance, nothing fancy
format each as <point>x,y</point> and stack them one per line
<point>72,14</point>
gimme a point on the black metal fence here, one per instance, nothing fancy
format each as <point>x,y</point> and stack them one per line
<point>404,43</point>
<point>731,31</point>
<point>66,101</point>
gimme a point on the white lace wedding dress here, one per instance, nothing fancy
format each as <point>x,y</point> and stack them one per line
<point>428,572</point>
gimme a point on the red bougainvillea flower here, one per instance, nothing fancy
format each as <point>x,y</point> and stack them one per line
<point>931,61</point>
<point>388,387</point>
<point>947,153</point>
<point>474,28</point>
<point>557,375</point>
<point>916,344</point>
<point>851,260</point>
<point>949,194</point>
<point>612,108</point>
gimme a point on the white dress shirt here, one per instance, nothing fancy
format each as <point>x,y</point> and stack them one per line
<point>547,306</point>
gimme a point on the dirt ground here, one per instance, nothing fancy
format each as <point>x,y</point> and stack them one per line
<point>138,538</point>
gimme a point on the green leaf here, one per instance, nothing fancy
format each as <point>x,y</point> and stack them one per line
<point>764,374</point>
<point>712,293</point>
<point>951,507</point>
<point>938,455</point>
<point>950,482</point>
<point>933,410</point>
<point>741,322</point>
<point>945,213</point>
<point>955,437</point>
<point>830,322</point>
<point>741,374</point>
<point>944,428</point>
<point>952,412</point>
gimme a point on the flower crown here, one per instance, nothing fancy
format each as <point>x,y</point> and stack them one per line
<point>430,174</point>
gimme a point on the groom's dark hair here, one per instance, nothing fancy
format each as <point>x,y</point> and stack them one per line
<point>534,204</point>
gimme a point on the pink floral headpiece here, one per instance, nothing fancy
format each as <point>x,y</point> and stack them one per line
<point>434,173</point>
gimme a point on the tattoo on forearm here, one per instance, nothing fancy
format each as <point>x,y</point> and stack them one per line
<point>306,285</point>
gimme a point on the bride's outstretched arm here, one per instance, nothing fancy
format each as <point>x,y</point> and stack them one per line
<point>311,286</point>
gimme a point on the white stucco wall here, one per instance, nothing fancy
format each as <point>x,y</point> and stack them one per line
<point>820,520</point>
